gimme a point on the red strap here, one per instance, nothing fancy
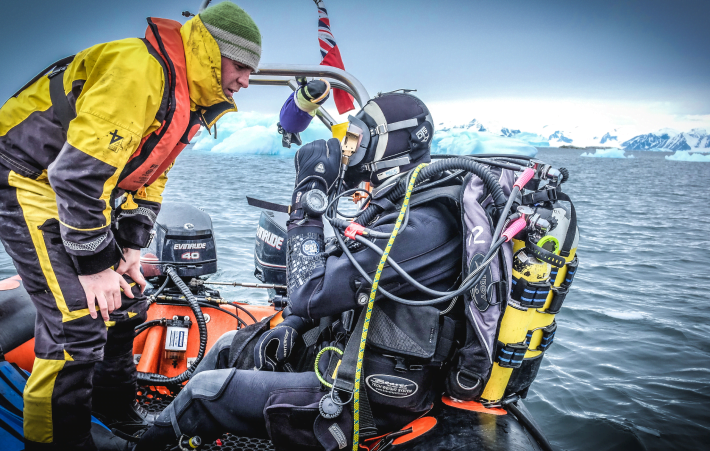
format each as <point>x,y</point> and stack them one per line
<point>354,229</point>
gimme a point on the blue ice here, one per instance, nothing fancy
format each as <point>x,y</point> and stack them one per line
<point>465,142</point>
<point>683,155</point>
<point>251,133</point>
<point>607,153</point>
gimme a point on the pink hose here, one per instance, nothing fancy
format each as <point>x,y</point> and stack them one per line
<point>514,228</point>
<point>524,178</point>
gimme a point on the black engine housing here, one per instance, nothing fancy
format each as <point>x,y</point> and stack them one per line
<point>182,237</point>
<point>270,248</point>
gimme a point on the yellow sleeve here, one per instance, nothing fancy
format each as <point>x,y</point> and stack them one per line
<point>121,90</point>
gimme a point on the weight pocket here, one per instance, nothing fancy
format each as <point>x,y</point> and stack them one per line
<point>290,415</point>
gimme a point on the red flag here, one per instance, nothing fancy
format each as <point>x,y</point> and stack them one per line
<point>331,57</point>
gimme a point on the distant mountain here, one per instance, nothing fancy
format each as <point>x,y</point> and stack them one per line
<point>697,138</point>
<point>608,139</point>
<point>645,142</point>
<point>559,138</point>
<point>509,133</point>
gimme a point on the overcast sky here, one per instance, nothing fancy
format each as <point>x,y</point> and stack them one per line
<point>522,63</point>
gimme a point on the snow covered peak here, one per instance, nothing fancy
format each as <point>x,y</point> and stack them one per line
<point>559,138</point>
<point>670,139</point>
<point>626,138</point>
<point>509,133</point>
<point>669,132</point>
<point>476,126</point>
<point>608,139</point>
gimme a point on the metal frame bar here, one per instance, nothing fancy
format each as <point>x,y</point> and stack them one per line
<point>286,75</point>
<point>281,74</point>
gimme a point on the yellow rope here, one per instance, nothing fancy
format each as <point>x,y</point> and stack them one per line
<point>373,292</point>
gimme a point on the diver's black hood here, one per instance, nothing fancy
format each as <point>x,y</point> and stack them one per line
<point>398,131</point>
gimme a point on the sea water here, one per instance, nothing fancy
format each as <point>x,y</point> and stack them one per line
<point>630,365</point>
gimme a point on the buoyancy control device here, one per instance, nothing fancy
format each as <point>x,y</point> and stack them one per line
<point>508,277</point>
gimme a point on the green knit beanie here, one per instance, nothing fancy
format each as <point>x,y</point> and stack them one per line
<point>236,33</point>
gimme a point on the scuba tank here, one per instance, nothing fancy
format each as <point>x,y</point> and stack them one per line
<point>544,265</point>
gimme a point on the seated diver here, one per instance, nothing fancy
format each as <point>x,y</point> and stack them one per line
<point>326,295</point>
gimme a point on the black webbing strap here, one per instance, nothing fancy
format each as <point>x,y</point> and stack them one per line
<point>552,195</point>
<point>558,297</point>
<point>62,108</point>
<point>560,293</point>
<point>62,62</point>
<point>345,380</point>
<point>544,255</point>
<point>511,355</point>
<point>529,294</point>
<point>572,230</point>
<point>571,271</point>
<point>546,195</point>
<point>266,205</point>
<point>548,336</point>
<point>311,337</point>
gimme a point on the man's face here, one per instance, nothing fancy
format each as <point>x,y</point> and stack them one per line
<point>235,76</point>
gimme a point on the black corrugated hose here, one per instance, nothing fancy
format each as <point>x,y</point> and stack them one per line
<point>437,167</point>
<point>159,379</point>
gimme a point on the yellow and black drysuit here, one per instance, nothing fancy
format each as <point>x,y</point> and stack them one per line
<point>84,154</point>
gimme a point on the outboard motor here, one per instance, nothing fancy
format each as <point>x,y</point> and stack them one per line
<point>270,250</point>
<point>182,237</point>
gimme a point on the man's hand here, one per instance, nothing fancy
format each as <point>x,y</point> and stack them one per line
<point>131,267</point>
<point>104,288</point>
<point>274,347</point>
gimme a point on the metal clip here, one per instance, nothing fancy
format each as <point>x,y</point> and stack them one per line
<point>381,129</point>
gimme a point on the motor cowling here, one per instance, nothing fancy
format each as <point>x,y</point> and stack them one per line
<point>182,237</point>
<point>270,248</point>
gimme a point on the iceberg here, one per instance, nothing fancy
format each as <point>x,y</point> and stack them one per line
<point>532,138</point>
<point>252,133</point>
<point>465,142</point>
<point>607,153</point>
<point>682,155</point>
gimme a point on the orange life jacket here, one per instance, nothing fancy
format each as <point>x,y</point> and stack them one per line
<point>159,150</point>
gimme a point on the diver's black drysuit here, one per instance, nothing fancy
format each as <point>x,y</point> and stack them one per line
<point>283,405</point>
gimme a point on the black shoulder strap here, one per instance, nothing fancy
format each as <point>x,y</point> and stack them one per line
<point>345,380</point>
<point>60,103</point>
<point>62,62</point>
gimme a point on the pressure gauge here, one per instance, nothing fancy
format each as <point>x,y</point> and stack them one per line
<point>315,202</point>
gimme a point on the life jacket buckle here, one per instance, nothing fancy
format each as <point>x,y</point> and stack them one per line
<point>56,71</point>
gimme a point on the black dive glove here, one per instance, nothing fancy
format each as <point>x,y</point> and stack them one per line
<point>275,345</point>
<point>318,165</point>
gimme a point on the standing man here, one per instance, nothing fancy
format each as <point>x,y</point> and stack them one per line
<point>84,155</point>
